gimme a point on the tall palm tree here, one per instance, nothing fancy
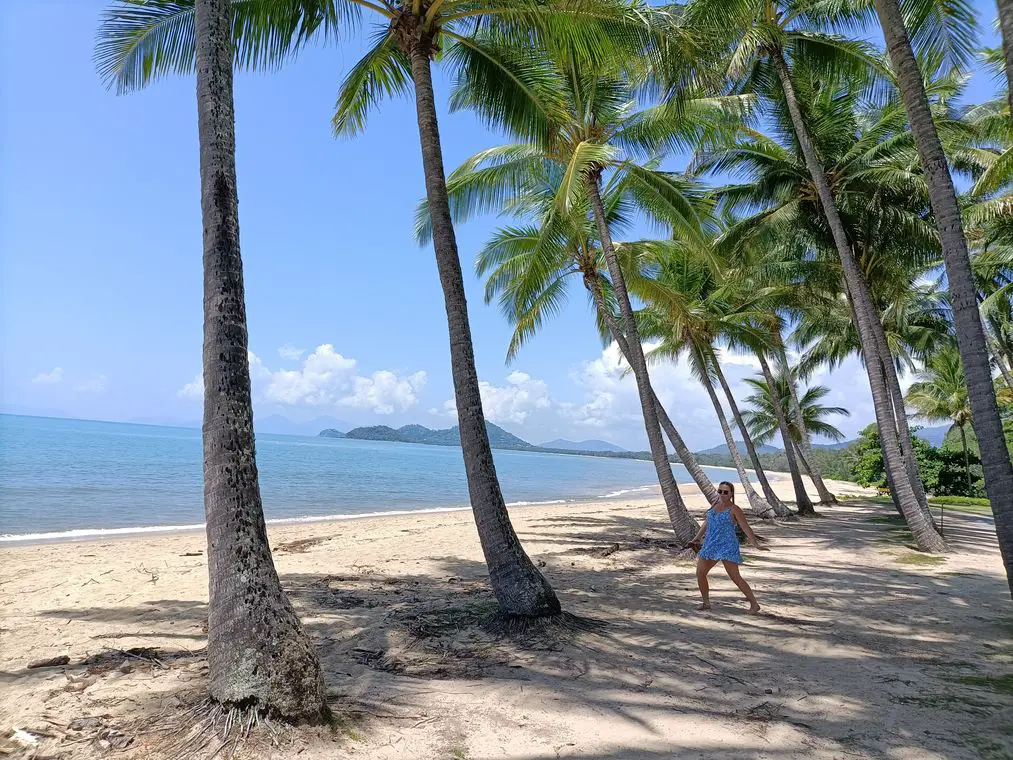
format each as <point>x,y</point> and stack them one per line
<point>864,166</point>
<point>971,341</point>
<point>154,37</point>
<point>584,119</point>
<point>258,652</point>
<point>763,423</point>
<point>689,312</point>
<point>528,266</point>
<point>941,394</point>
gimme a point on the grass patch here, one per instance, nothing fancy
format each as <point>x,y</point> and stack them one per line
<point>895,520</point>
<point>970,509</point>
<point>919,558</point>
<point>966,501</point>
<point>999,684</point>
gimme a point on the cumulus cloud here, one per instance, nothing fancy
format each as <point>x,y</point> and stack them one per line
<point>514,402</point>
<point>326,379</point>
<point>49,378</point>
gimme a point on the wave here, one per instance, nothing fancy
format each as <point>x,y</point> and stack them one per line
<point>537,503</point>
<point>80,533</point>
<point>624,491</point>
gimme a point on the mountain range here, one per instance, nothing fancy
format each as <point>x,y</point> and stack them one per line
<point>498,437</point>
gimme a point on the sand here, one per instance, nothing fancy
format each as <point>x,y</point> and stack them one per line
<point>858,653</point>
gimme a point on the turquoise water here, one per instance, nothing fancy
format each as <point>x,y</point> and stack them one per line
<point>78,478</point>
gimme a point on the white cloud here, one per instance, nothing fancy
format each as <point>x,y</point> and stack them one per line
<point>49,378</point>
<point>327,379</point>
<point>290,352</point>
<point>94,384</point>
<point>514,402</point>
<point>193,389</point>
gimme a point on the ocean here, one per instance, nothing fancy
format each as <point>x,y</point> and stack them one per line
<point>62,479</point>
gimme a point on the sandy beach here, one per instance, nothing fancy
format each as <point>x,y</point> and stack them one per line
<point>864,649</point>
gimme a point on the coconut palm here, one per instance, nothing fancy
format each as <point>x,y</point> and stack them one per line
<point>875,194</point>
<point>146,38</point>
<point>689,312</point>
<point>529,265</point>
<point>970,334</point>
<point>585,121</point>
<point>941,394</point>
<point>762,419</point>
<point>258,654</point>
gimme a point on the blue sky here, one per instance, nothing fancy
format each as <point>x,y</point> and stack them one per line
<point>101,245</point>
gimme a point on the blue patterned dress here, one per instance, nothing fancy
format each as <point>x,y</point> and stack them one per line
<point>720,542</point>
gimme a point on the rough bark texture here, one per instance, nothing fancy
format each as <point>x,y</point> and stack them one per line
<point>779,507</point>
<point>805,506</point>
<point>681,449</point>
<point>1006,27</point>
<point>759,505</point>
<point>924,532</point>
<point>257,650</point>
<point>995,458</point>
<point>684,525</point>
<point>518,585</point>
<point>804,444</point>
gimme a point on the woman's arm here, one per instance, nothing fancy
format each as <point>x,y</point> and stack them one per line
<point>740,518</point>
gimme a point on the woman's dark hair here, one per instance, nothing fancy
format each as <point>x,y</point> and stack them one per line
<point>731,486</point>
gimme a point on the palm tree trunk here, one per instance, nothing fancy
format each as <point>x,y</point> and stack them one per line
<point>759,505</point>
<point>995,457</point>
<point>258,653</point>
<point>518,585</point>
<point>681,449</point>
<point>804,444</point>
<point>967,460</point>
<point>923,531</point>
<point>1006,26</point>
<point>684,525</point>
<point>805,506</point>
<point>779,507</point>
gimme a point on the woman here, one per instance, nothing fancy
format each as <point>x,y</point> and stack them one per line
<point>721,545</point>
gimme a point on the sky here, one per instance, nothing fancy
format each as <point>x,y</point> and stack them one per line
<point>100,236</point>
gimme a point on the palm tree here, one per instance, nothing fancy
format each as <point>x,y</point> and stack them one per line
<point>584,120</point>
<point>941,394</point>
<point>762,419</point>
<point>872,190</point>
<point>971,341</point>
<point>258,652</point>
<point>154,37</point>
<point>528,266</point>
<point>689,312</point>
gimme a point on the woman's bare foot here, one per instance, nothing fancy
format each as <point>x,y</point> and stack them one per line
<point>705,607</point>
<point>753,608</point>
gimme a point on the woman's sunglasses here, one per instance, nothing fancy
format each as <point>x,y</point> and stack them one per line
<point>724,492</point>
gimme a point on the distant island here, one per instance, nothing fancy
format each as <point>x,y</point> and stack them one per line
<point>498,438</point>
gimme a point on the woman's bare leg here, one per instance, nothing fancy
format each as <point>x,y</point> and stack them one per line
<point>733,572</point>
<point>703,566</point>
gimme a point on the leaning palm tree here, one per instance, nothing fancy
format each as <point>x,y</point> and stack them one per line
<point>875,194</point>
<point>761,416</point>
<point>767,42</point>
<point>941,394</point>
<point>259,656</point>
<point>970,334</point>
<point>529,265</point>
<point>153,37</point>
<point>584,120</point>
<point>688,312</point>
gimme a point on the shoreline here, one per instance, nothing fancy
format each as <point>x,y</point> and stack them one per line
<point>73,535</point>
